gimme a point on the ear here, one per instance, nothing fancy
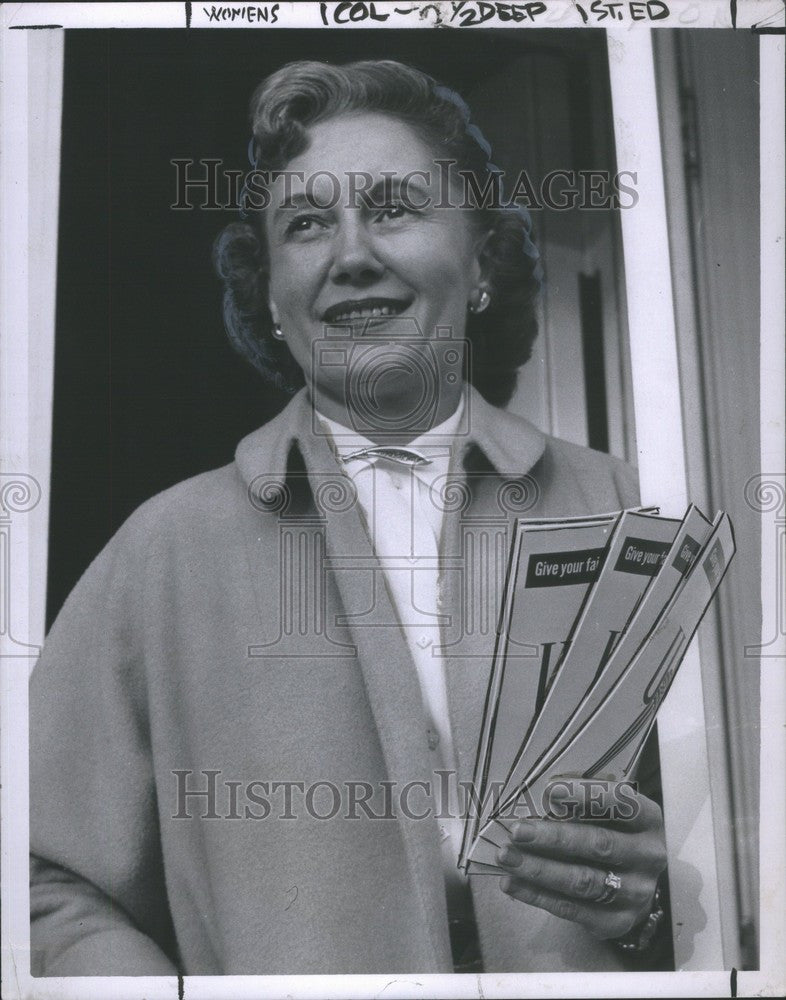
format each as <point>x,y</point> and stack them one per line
<point>273,310</point>
<point>480,265</point>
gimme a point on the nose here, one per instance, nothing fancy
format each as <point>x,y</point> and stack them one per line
<point>355,261</point>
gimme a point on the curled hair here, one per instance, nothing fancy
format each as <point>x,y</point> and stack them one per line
<point>302,93</point>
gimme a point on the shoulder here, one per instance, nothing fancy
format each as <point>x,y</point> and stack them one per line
<point>208,496</point>
<point>590,462</point>
<point>177,520</point>
<point>211,498</point>
<point>601,481</point>
<point>203,518</point>
<point>567,479</point>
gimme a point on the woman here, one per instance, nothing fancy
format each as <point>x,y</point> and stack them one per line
<point>273,664</point>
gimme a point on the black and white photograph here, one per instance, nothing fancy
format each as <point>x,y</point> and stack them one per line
<point>392,499</point>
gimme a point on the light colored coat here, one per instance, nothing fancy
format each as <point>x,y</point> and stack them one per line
<point>179,650</point>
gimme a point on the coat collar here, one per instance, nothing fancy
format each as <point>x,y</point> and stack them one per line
<point>509,443</point>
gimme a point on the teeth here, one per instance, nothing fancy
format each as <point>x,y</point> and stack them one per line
<point>373,313</point>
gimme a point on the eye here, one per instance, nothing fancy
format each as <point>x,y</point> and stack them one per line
<point>302,224</point>
<point>395,210</point>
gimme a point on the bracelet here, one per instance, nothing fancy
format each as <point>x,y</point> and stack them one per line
<point>640,937</point>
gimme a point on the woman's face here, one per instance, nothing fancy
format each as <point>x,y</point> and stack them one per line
<point>389,277</point>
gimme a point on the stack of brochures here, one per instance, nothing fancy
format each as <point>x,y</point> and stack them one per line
<point>596,618</point>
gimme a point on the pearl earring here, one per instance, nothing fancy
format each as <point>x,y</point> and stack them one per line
<point>482,302</point>
<point>278,333</point>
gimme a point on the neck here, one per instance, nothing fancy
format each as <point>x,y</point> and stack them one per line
<point>392,427</point>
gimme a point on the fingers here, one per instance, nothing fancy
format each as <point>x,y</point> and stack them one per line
<point>646,815</point>
<point>594,844</point>
<point>616,803</point>
<point>600,921</point>
<point>577,882</point>
<point>561,863</point>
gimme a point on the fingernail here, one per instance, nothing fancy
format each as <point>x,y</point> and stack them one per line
<point>506,884</point>
<point>510,856</point>
<point>525,831</point>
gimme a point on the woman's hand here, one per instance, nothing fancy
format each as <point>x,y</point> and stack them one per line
<point>567,866</point>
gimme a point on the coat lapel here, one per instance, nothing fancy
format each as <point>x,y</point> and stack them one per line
<point>389,674</point>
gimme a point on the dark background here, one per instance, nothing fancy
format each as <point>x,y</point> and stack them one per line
<point>147,389</point>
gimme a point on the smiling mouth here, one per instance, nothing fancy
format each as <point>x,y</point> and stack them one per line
<point>361,309</point>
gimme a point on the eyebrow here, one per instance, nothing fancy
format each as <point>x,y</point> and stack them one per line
<point>388,186</point>
<point>292,202</point>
